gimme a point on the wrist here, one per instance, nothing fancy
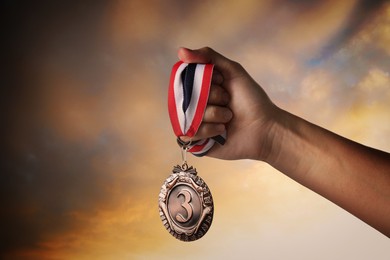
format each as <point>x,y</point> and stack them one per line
<point>271,143</point>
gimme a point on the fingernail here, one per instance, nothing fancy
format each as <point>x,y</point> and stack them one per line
<point>228,114</point>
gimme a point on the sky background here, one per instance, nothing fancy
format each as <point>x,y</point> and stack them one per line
<point>87,143</point>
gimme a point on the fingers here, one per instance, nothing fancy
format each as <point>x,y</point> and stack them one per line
<point>214,120</point>
<point>216,114</point>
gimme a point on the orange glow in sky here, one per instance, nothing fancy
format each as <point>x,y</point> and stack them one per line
<point>88,142</point>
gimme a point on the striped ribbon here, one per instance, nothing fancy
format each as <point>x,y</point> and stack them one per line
<point>188,93</point>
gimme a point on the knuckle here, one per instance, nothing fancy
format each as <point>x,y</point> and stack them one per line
<point>218,96</point>
<point>214,112</point>
<point>207,49</point>
<point>213,93</point>
<point>217,114</point>
<point>236,65</point>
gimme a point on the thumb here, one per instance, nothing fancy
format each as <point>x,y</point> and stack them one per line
<point>208,55</point>
<point>194,56</point>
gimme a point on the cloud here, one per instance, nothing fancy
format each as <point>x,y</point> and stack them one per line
<point>88,142</point>
<point>361,14</point>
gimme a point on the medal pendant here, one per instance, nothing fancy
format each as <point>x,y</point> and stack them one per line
<point>185,204</point>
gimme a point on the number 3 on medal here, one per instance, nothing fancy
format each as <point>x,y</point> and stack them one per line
<point>186,205</point>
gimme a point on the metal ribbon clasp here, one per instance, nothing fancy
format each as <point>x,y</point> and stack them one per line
<point>185,146</point>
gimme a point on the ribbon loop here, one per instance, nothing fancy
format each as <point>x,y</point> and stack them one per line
<point>188,93</point>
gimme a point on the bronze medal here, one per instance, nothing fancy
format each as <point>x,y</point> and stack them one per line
<point>185,204</point>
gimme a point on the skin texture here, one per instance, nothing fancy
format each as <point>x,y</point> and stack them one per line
<point>353,176</point>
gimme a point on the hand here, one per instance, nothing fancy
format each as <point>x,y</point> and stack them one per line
<point>354,176</point>
<point>238,104</point>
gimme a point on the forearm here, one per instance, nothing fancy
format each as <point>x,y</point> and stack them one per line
<point>353,176</point>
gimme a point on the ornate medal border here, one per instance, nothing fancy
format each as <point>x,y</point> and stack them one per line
<point>187,176</point>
